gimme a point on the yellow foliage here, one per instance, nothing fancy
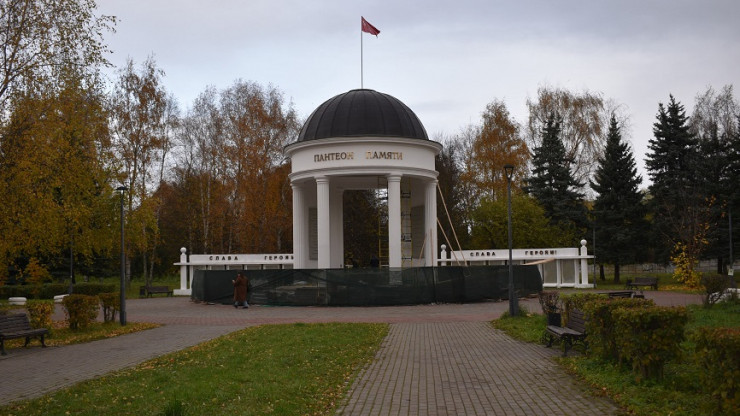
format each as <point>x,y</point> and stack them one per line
<point>36,273</point>
<point>685,264</point>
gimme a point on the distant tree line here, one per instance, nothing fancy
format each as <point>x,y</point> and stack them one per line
<point>213,178</point>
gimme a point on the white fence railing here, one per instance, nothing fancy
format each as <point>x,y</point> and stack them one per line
<point>559,267</point>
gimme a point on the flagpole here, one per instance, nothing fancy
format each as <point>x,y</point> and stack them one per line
<point>362,80</point>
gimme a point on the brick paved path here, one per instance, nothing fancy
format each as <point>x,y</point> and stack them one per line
<point>436,360</point>
<point>466,369</point>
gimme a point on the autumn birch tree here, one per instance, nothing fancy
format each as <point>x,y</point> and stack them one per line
<point>258,125</point>
<point>584,122</point>
<point>142,114</point>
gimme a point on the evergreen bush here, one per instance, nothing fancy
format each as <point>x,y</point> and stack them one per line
<point>718,355</point>
<point>648,337</point>
<point>49,290</point>
<point>578,301</point>
<point>600,324</point>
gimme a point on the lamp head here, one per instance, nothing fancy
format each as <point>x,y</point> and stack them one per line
<point>509,171</point>
<point>122,188</point>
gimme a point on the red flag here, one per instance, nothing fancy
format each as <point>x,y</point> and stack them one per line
<point>368,28</point>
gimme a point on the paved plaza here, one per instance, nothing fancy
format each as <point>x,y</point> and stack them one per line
<point>436,360</point>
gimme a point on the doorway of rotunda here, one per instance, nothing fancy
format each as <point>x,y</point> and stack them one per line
<point>366,226</point>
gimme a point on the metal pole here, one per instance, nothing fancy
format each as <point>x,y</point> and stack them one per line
<point>122,312</point>
<point>731,270</point>
<point>513,304</point>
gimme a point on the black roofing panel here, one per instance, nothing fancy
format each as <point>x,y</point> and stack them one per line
<point>363,112</point>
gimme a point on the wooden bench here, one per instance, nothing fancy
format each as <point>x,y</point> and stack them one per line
<point>17,326</point>
<point>619,294</point>
<point>642,281</point>
<point>152,290</point>
<point>574,330</point>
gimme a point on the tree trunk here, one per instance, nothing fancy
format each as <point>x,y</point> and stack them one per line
<point>601,272</point>
<point>616,272</point>
<point>720,265</point>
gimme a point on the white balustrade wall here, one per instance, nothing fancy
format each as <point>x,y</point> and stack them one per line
<point>559,267</point>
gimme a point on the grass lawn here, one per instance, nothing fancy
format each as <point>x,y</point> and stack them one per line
<point>297,369</point>
<point>677,394</point>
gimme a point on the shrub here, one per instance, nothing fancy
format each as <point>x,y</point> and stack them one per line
<point>579,300</point>
<point>718,355</point>
<point>39,313</point>
<point>550,302</point>
<point>93,289</point>
<point>81,310</point>
<point>600,324</point>
<point>649,337</point>
<point>111,305</point>
<point>49,290</point>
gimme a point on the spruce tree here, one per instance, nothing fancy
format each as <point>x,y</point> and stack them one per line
<point>552,183</point>
<point>681,209</point>
<point>619,216</point>
<point>733,178</point>
<point>712,173</point>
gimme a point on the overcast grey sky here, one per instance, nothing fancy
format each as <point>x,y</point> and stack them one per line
<point>445,59</point>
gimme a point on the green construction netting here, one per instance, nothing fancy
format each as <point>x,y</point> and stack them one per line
<point>365,287</point>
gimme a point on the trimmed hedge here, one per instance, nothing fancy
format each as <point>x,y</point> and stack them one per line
<point>648,337</point>
<point>39,313</point>
<point>718,354</point>
<point>111,305</point>
<point>579,301</point>
<point>600,324</point>
<point>49,290</point>
<point>81,310</point>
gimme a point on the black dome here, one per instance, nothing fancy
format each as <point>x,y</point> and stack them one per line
<point>362,113</point>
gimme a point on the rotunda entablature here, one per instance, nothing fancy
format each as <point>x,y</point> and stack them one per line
<point>362,156</point>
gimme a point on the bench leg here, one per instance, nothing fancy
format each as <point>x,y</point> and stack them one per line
<point>567,343</point>
<point>550,340</point>
<point>2,347</point>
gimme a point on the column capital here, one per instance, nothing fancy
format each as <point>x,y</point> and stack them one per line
<point>394,177</point>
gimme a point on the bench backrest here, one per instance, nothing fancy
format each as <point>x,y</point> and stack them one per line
<point>14,322</point>
<point>576,320</point>
<point>646,280</point>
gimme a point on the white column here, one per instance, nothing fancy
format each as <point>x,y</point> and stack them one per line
<point>337,229</point>
<point>300,245</point>
<point>394,220</point>
<point>186,270</point>
<point>323,207</point>
<point>430,224</point>
<point>183,269</point>
<point>584,264</point>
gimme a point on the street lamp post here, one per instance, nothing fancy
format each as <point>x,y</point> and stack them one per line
<point>513,304</point>
<point>122,312</point>
<point>730,270</point>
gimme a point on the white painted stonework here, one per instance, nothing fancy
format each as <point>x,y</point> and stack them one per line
<point>323,169</point>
